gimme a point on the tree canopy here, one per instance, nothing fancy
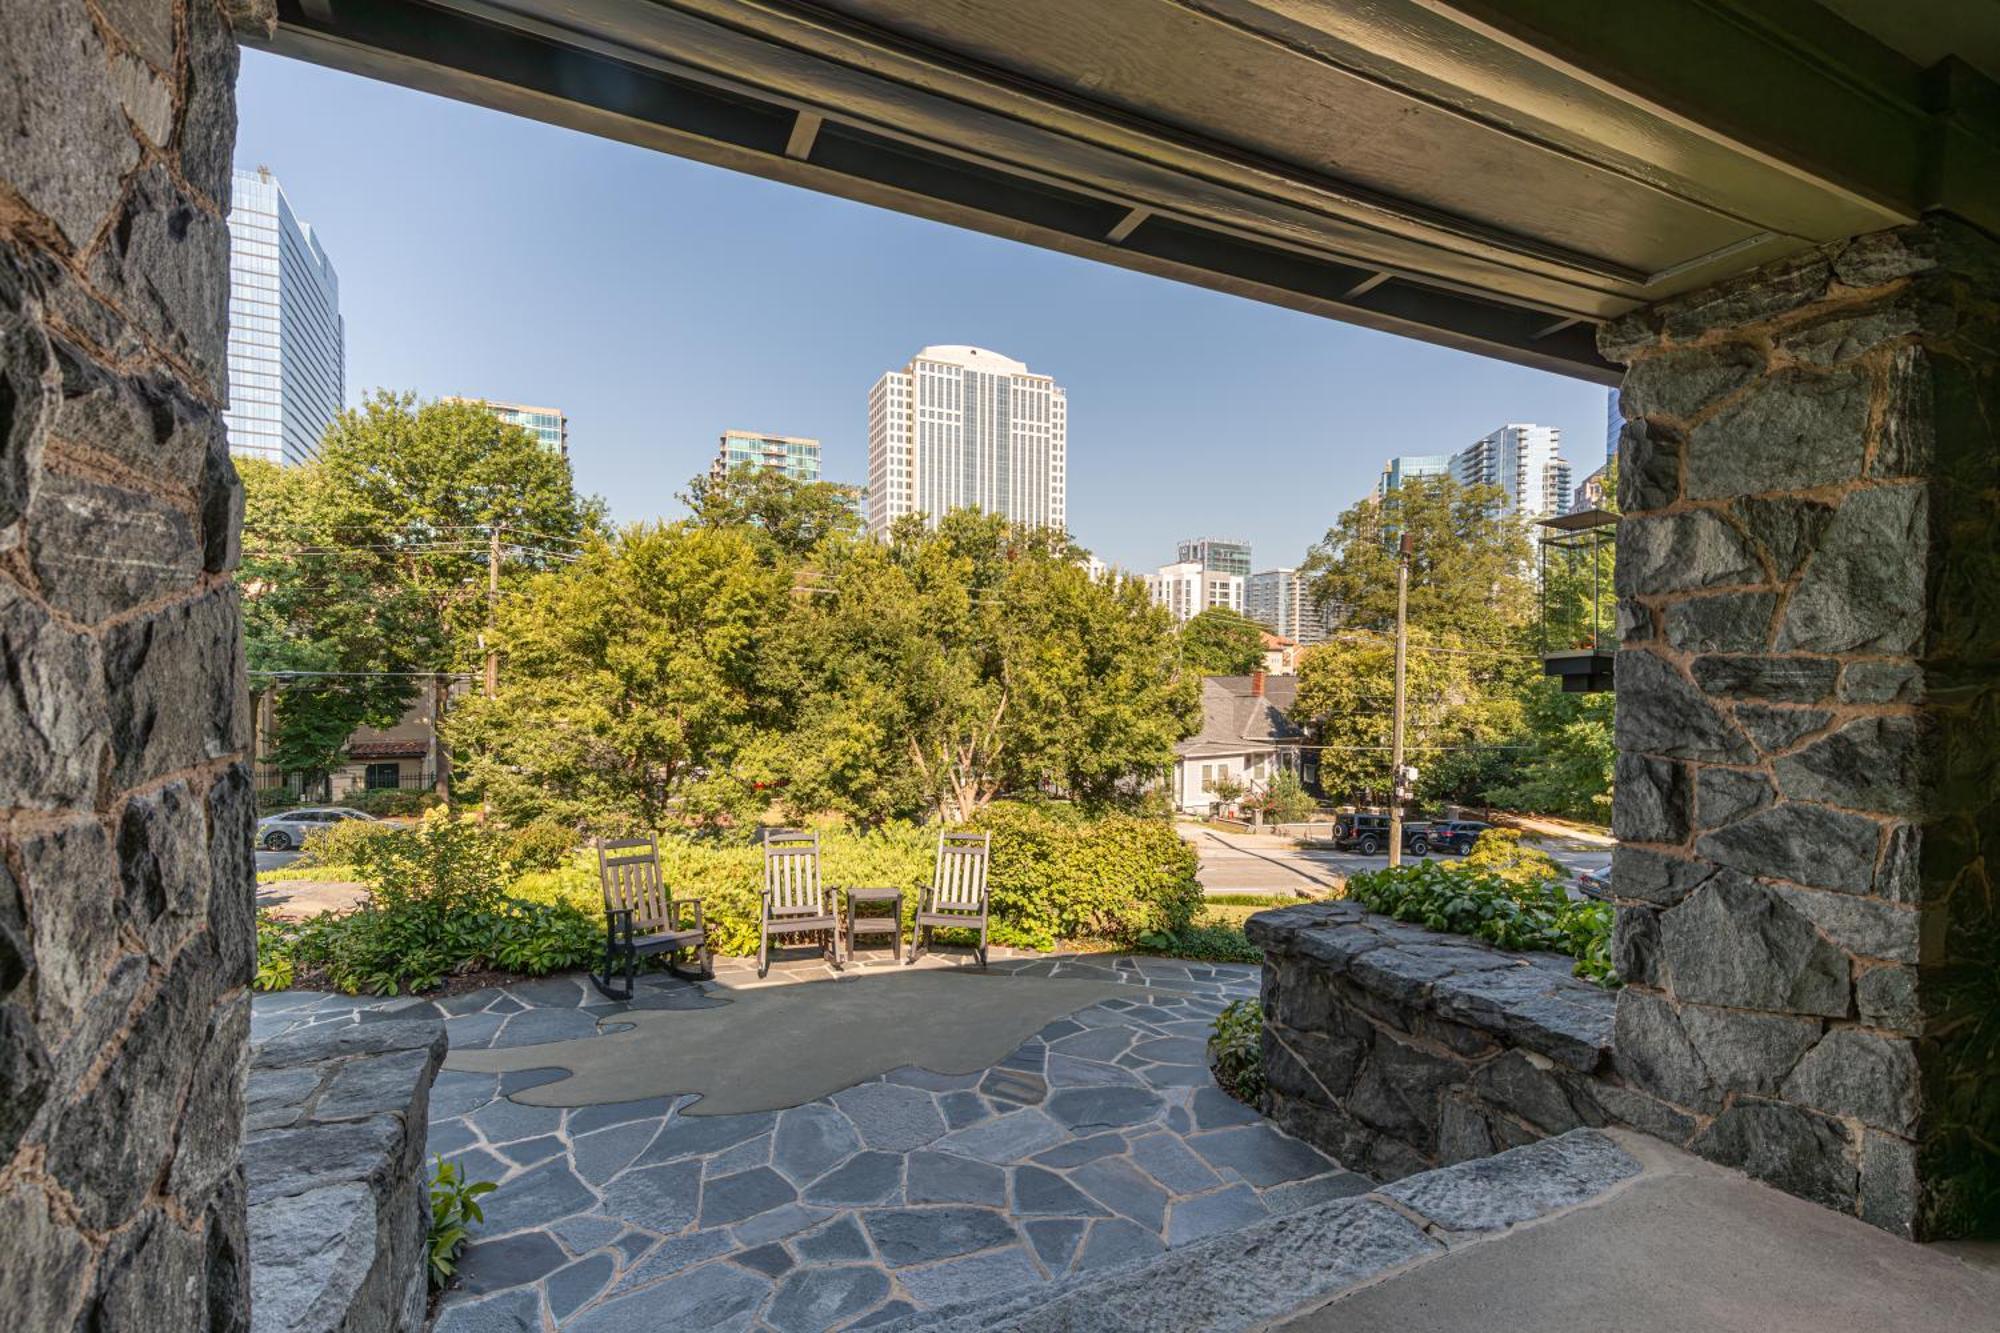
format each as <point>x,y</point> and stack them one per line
<point>1222,642</point>
<point>369,564</point>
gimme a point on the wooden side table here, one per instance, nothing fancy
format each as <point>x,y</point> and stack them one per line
<point>876,924</point>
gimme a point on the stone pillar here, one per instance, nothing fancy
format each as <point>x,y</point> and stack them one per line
<point>1808,779</point>
<point>126,932</point>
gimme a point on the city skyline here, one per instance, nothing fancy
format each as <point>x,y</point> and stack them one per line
<point>1192,411</point>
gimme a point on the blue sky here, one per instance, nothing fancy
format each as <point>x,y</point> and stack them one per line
<point>659,301</point>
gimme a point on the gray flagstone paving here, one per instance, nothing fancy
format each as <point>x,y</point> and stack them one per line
<point>1099,1141</point>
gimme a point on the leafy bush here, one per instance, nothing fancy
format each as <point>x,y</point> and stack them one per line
<point>340,844</point>
<point>540,845</point>
<point>1286,800</point>
<point>392,802</point>
<point>1466,899</point>
<point>1056,877</point>
<point>274,959</point>
<point>1501,851</point>
<point>1236,1050</point>
<point>454,1209</point>
<point>277,798</point>
<point>1209,940</point>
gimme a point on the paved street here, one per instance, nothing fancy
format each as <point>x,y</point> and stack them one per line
<point>1264,863</point>
<point>274,860</point>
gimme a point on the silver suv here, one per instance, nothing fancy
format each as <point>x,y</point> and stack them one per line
<point>286,830</point>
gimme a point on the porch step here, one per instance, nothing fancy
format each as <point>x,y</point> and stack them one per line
<point>1284,1266</point>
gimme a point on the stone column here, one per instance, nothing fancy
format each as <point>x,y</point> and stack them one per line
<point>1808,779</point>
<point>126,932</point>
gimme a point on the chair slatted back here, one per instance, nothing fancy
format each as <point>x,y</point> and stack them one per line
<point>628,869</point>
<point>791,874</point>
<point>959,882</point>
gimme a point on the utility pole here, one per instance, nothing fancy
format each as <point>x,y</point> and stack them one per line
<point>1396,722</point>
<point>492,612</point>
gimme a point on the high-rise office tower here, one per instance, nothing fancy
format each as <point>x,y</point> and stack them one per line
<point>1404,466</point>
<point>792,455</point>
<point>1279,600</point>
<point>1219,554</point>
<point>963,426</point>
<point>287,341</point>
<point>1525,462</point>
<point>548,425</point>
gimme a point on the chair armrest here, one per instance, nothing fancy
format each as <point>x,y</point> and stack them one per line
<point>696,905</point>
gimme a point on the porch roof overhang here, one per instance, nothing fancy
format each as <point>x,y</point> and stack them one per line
<point>1496,175</point>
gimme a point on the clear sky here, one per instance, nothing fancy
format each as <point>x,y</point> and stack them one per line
<point>659,301</point>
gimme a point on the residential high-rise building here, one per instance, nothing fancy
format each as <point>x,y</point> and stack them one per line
<point>793,456</point>
<point>287,342</point>
<point>1525,461</point>
<point>1221,555</point>
<point>1187,589</point>
<point>1279,600</point>
<point>963,426</point>
<point>547,424</point>
<point>1404,466</point>
<point>1592,492</point>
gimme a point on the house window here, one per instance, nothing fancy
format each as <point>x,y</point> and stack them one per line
<point>1208,777</point>
<point>381,776</point>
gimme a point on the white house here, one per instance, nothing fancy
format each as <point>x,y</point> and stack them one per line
<point>1246,736</point>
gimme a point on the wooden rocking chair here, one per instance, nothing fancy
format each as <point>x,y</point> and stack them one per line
<point>956,898</point>
<point>641,917</point>
<point>795,902</point>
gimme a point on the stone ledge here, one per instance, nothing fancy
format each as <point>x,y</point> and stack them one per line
<point>333,1157</point>
<point>1267,1272</point>
<point>1398,1049</point>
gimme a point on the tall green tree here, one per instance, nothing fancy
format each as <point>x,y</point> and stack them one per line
<point>1222,642</point>
<point>633,690</point>
<point>792,516</point>
<point>372,561</point>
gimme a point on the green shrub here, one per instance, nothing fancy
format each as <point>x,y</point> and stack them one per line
<point>340,844</point>
<point>1466,899</point>
<point>540,845</point>
<point>277,798</point>
<point>1059,876</point>
<point>1209,941</point>
<point>454,1210</point>
<point>1286,800</point>
<point>392,802</point>
<point>274,956</point>
<point>1501,851</point>
<point>1236,1050</point>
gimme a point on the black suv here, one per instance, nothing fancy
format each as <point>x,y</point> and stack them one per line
<point>1457,836</point>
<point>1369,834</point>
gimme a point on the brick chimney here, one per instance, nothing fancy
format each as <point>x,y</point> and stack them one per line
<point>1256,685</point>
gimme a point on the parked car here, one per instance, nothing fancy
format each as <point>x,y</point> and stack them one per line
<point>1369,834</point>
<point>286,831</point>
<point>1595,882</point>
<point>1457,835</point>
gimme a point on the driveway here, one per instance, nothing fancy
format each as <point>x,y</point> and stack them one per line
<point>1267,864</point>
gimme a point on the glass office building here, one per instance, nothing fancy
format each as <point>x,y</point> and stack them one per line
<point>1222,555</point>
<point>547,424</point>
<point>287,341</point>
<point>792,455</point>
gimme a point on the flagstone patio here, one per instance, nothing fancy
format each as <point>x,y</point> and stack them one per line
<point>1097,1140</point>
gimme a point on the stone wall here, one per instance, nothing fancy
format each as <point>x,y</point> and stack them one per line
<point>1808,776</point>
<point>1398,1049</point>
<point>333,1159</point>
<point>126,932</point>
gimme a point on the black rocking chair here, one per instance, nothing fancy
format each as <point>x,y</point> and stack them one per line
<point>641,918</point>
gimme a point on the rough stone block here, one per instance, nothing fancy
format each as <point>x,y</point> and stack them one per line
<point>178,695</point>
<point>1889,1190</point>
<point>1668,553</point>
<point>1881,683</point>
<point>1739,943</point>
<point>1807,844</point>
<point>1516,1186</point>
<point>1886,997</point>
<point>1682,382</point>
<point>1660,713</point>
<point>1655,800</point>
<point>1867,927</point>
<point>1864,589</point>
<point>1649,466</point>
<point>1733,622</point>
<point>24,354</point>
<point>1793,431</point>
<point>65,155</point>
<point>1785,679</point>
<point>206,139</point>
<point>1725,795</point>
<point>1746,1052</point>
<point>1858,1074</point>
<point>1653,1052</point>
<point>1786,529</point>
<point>165,260</point>
<point>1872,763</point>
<point>1799,1151</point>
<point>1635,945</point>
<point>54,724</point>
<point>1774,728</point>
<point>1848,334</point>
<point>1653,877</point>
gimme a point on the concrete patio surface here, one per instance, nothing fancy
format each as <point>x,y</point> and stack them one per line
<point>1685,1245</point>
